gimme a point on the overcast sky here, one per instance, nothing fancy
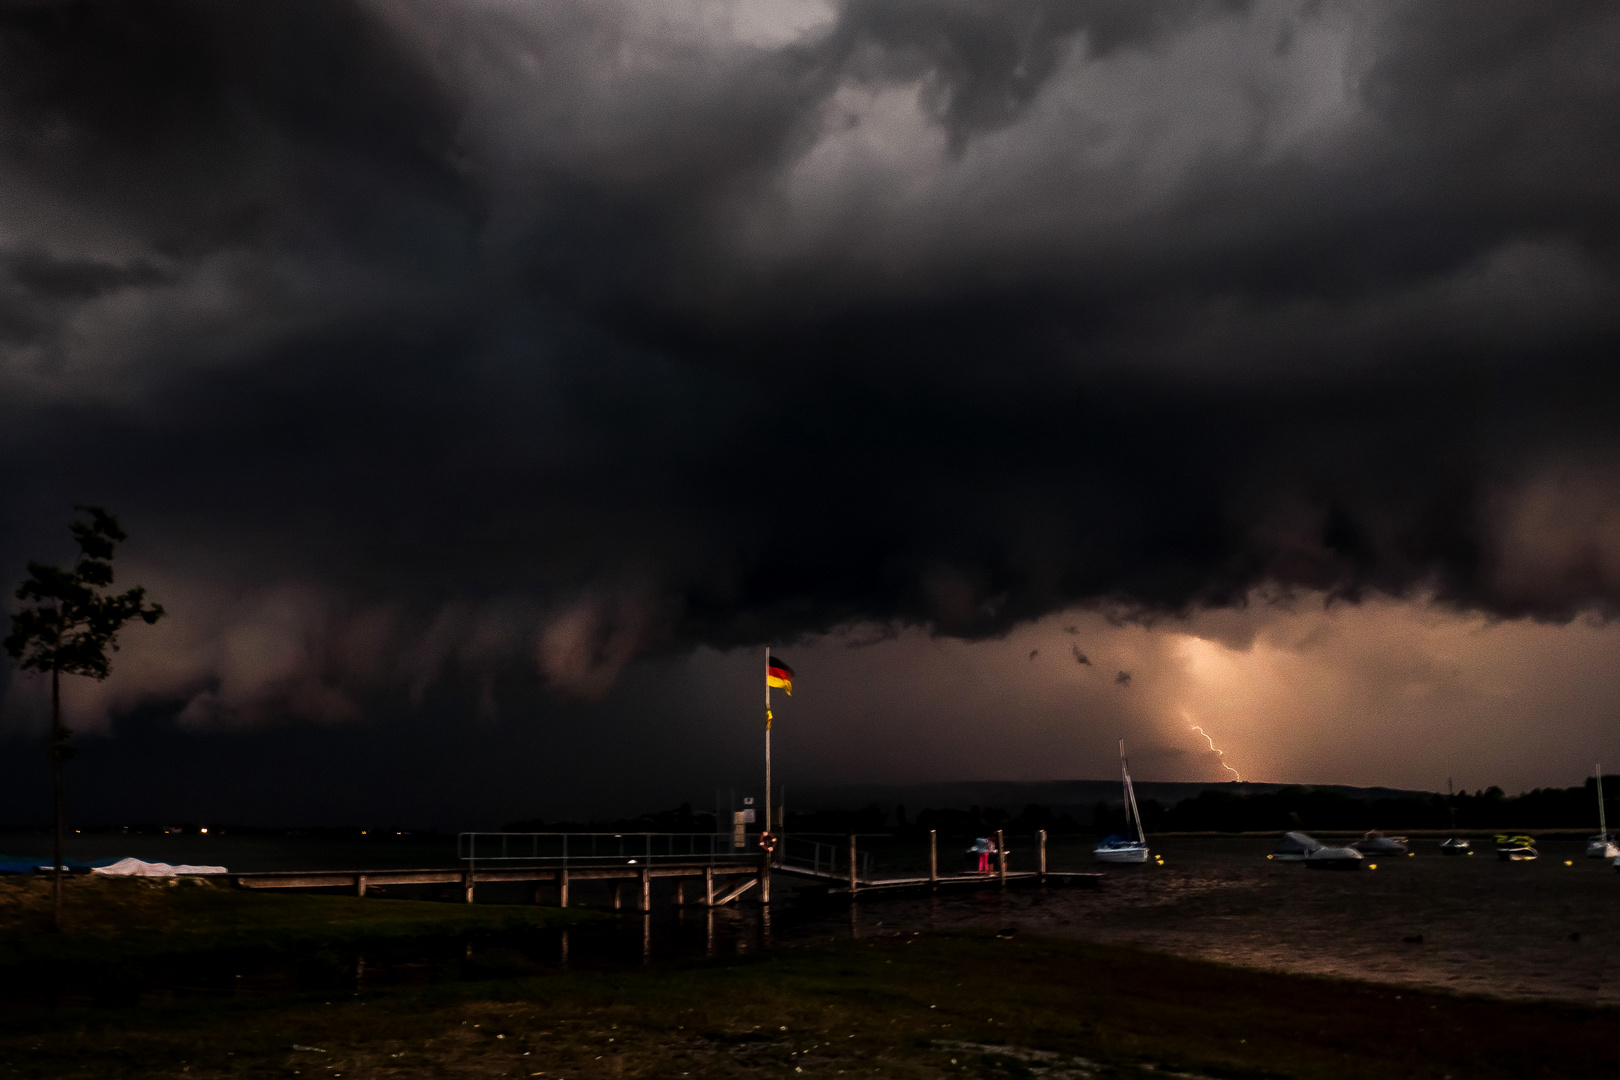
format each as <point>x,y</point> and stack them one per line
<point>484,383</point>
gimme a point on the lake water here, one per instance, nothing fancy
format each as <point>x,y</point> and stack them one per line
<point>1524,930</point>
<point>1471,925</point>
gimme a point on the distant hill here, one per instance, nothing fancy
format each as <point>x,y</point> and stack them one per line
<point>1074,797</point>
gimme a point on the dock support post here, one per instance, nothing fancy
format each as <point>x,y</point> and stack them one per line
<point>467,885</point>
<point>562,887</point>
<point>618,898</point>
<point>1001,856</point>
<point>765,878</point>
<point>646,890</point>
<point>360,885</point>
<point>680,892</point>
<point>854,882</point>
<point>933,857</point>
<point>1042,878</point>
<point>708,887</point>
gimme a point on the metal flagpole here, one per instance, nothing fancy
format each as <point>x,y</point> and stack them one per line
<point>767,738</point>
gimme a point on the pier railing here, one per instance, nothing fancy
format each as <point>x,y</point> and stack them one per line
<point>817,857</point>
<point>599,849</point>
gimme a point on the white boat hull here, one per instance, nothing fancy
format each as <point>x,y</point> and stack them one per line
<point>1602,849</point>
<point>1132,854</point>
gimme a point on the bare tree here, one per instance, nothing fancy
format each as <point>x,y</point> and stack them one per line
<point>68,625</point>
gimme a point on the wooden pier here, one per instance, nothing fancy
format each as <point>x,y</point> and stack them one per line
<point>712,885</point>
<point>709,881</point>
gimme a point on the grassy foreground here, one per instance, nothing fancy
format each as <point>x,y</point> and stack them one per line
<point>903,1006</point>
<point>109,920</point>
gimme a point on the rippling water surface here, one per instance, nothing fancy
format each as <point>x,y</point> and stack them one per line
<point>1471,924</point>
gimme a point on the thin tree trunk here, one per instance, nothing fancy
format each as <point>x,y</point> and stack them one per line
<point>58,737</point>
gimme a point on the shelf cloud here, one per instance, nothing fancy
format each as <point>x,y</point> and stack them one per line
<point>446,341</point>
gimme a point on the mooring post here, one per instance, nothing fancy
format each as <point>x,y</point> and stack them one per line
<point>708,886</point>
<point>646,889</point>
<point>933,856</point>
<point>1001,856</point>
<point>854,882</point>
<point>562,887</point>
<point>467,885</point>
<point>1043,857</point>
<point>360,885</point>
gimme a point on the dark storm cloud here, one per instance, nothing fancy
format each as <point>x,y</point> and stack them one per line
<point>509,334</point>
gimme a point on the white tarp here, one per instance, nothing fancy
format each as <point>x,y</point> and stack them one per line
<point>137,868</point>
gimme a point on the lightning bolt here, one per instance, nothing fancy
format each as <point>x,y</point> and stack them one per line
<point>1219,753</point>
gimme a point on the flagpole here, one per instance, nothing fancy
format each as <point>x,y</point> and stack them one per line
<point>767,738</point>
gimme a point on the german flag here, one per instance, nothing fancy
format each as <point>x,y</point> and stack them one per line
<point>779,674</point>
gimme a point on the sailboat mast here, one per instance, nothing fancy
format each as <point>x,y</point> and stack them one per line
<point>1131,809</point>
<point>1603,823</point>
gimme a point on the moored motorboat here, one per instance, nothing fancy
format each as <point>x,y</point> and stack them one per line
<point>1456,846</point>
<point>1294,846</point>
<point>1122,849</point>
<point>1334,858</point>
<point>1376,843</point>
<point>1517,848</point>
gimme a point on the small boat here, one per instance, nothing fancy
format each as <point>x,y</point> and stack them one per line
<point>1294,846</point>
<point>1602,846</point>
<point>1122,849</point>
<point>1454,846</point>
<point>1334,858</point>
<point>1515,848</point>
<point>1376,843</point>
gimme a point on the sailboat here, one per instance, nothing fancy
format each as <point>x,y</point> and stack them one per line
<point>1454,845</point>
<point>1122,849</point>
<point>1602,846</point>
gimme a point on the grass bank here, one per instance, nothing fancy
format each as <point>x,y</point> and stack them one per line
<point>904,1006</point>
<point>113,920</point>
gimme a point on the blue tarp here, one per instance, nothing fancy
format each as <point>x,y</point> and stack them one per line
<point>11,864</point>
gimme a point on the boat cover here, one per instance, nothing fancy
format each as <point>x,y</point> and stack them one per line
<point>138,868</point>
<point>1296,843</point>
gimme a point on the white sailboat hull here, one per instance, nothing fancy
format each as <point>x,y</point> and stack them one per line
<point>1598,848</point>
<point>1136,853</point>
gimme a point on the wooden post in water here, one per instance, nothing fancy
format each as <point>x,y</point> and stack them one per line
<point>360,885</point>
<point>708,887</point>
<point>933,856</point>
<point>618,899</point>
<point>765,877</point>
<point>1043,857</point>
<point>854,882</point>
<point>562,887</point>
<point>467,885</point>
<point>680,892</point>
<point>646,890</point>
<point>1001,856</point>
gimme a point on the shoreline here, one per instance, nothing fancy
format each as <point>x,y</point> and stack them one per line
<point>899,1003</point>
